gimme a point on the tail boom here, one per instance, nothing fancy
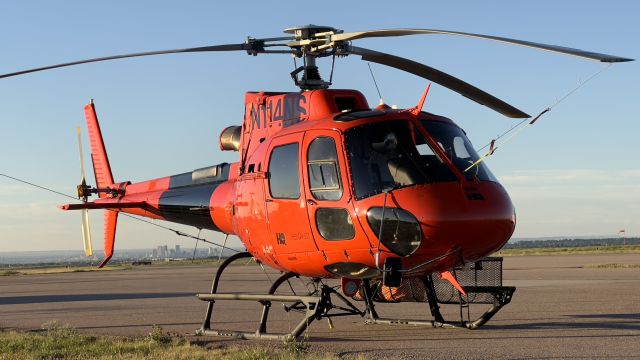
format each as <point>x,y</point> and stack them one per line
<point>202,198</point>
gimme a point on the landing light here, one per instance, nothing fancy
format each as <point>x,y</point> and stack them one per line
<point>352,270</point>
<point>401,231</point>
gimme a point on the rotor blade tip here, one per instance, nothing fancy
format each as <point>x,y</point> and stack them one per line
<point>617,60</point>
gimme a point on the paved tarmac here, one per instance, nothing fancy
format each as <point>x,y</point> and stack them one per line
<point>563,308</point>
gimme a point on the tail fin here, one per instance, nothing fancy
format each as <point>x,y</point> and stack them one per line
<point>101,167</point>
<point>104,178</point>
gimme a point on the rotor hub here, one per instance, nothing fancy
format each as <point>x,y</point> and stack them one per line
<point>311,41</point>
<point>308,32</point>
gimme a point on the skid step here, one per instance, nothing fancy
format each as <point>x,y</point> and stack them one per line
<point>310,301</point>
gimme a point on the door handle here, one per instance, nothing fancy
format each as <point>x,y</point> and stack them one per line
<point>311,202</point>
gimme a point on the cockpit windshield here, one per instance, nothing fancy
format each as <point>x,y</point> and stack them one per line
<point>384,155</point>
<point>458,148</point>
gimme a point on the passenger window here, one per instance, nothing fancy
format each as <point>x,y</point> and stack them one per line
<point>335,224</point>
<point>324,175</point>
<point>284,181</point>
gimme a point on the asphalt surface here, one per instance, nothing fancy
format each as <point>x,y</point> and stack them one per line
<point>563,308</point>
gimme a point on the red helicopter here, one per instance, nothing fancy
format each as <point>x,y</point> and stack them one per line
<point>394,202</point>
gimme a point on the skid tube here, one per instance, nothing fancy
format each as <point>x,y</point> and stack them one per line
<point>315,306</point>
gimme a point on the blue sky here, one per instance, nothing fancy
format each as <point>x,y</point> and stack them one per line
<point>574,173</point>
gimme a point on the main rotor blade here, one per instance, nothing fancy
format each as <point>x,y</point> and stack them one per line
<point>439,77</point>
<point>227,47</point>
<point>554,48</point>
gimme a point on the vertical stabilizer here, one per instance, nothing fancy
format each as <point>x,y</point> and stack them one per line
<point>110,222</point>
<point>99,158</point>
<point>104,178</point>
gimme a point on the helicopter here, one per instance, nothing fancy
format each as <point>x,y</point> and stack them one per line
<point>395,203</point>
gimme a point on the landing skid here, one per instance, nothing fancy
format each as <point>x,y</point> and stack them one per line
<point>318,303</point>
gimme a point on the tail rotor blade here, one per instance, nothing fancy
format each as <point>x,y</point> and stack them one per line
<point>83,180</point>
<point>86,227</point>
<point>86,233</point>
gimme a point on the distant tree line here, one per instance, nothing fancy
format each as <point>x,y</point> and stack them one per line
<point>525,244</point>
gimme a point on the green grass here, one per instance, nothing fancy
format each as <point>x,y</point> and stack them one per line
<point>187,262</point>
<point>59,269</point>
<point>40,270</point>
<point>613,266</point>
<point>63,342</point>
<point>587,250</point>
<point>9,272</point>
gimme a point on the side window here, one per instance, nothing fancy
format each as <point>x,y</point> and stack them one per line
<point>335,224</point>
<point>324,174</point>
<point>459,148</point>
<point>284,181</point>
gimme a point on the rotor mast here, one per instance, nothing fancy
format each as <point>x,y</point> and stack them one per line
<point>309,41</point>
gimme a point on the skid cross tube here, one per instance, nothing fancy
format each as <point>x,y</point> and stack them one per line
<point>214,286</point>
<point>502,296</point>
<point>267,304</point>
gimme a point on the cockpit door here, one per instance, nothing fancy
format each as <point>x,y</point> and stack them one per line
<point>329,202</point>
<point>289,227</point>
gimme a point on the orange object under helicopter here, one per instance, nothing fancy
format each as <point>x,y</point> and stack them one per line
<point>328,187</point>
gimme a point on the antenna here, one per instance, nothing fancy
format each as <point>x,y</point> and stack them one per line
<point>375,83</point>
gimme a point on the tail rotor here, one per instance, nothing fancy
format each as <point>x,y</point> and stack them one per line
<point>83,195</point>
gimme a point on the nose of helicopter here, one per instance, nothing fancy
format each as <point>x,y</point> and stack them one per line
<point>474,220</point>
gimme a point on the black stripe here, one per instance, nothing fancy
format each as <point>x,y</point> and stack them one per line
<point>187,201</point>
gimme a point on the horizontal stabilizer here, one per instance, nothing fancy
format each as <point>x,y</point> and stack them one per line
<point>107,205</point>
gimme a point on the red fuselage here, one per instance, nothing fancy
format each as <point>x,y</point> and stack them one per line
<point>319,175</point>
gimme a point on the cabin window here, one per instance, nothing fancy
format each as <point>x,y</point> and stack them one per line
<point>284,181</point>
<point>324,174</point>
<point>346,103</point>
<point>335,224</point>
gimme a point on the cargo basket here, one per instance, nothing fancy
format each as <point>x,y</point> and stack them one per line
<point>482,273</point>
